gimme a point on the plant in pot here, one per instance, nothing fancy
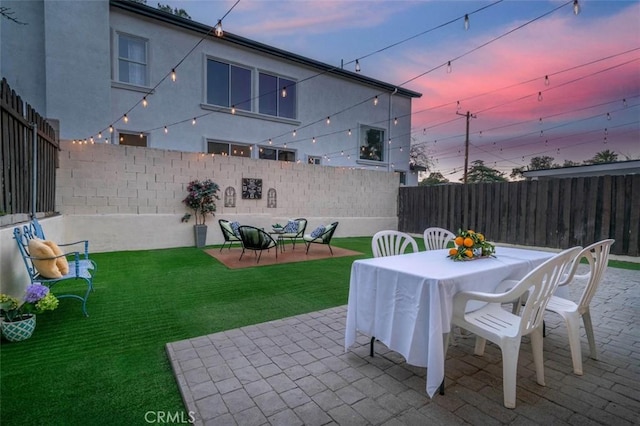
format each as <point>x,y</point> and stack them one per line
<point>19,316</point>
<point>201,198</point>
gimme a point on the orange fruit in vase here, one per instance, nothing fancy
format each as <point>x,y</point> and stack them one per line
<point>459,241</point>
<point>453,252</point>
<point>481,237</point>
<point>469,253</point>
<point>468,242</point>
<point>471,231</point>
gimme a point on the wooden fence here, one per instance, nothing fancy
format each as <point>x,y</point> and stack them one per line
<point>17,121</point>
<point>556,213</point>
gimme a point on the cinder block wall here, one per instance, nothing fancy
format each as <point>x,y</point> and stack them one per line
<point>127,198</point>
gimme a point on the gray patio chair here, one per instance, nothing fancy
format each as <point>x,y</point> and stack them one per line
<point>295,231</point>
<point>228,234</point>
<point>321,235</point>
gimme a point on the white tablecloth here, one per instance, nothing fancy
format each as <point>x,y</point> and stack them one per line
<point>405,301</point>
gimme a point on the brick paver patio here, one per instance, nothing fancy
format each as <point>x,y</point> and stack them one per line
<point>294,371</point>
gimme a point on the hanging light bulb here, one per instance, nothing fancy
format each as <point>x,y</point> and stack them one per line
<point>341,152</point>
<point>173,74</point>
<point>218,29</point>
<point>357,65</point>
<point>125,118</point>
<point>424,131</point>
<point>313,140</point>
<point>458,106</point>
<point>546,80</point>
<point>285,144</point>
<point>389,141</point>
<point>144,102</point>
<point>466,22</point>
<point>624,103</point>
<point>284,92</point>
<point>605,140</point>
<point>539,96</point>
<point>401,150</point>
<point>91,140</point>
<point>395,121</point>
<point>141,135</point>
<point>233,109</point>
<point>375,100</point>
<point>328,120</point>
<point>480,134</point>
<point>166,130</point>
<point>541,133</point>
<point>294,133</point>
<point>540,120</point>
<point>608,116</point>
<point>449,67</point>
<point>606,131</point>
<point>349,132</point>
<point>106,140</point>
<point>99,135</point>
<point>193,122</point>
<point>269,141</point>
<point>576,7</point>
<point>546,142</point>
<point>111,128</point>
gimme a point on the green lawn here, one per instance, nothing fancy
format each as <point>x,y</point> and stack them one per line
<point>111,368</point>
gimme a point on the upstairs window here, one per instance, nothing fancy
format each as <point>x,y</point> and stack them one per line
<point>132,60</point>
<point>228,85</point>
<point>371,144</point>
<point>272,101</point>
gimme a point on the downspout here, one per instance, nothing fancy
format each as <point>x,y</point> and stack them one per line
<point>34,183</point>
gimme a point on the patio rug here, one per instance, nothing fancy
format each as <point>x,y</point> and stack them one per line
<point>230,257</point>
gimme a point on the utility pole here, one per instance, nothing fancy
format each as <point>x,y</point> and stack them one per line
<point>466,145</point>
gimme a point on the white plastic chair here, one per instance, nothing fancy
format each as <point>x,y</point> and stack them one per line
<point>390,243</point>
<point>437,238</point>
<point>493,323</point>
<point>597,255</point>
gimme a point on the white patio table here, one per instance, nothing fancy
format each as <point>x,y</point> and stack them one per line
<point>405,301</point>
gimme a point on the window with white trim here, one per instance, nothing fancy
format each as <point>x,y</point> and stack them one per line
<point>132,60</point>
<point>270,153</point>
<point>371,143</point>
<point>228,85</point>
<point>311,159</point>
<point>277,96</point>
<point>226,148</point>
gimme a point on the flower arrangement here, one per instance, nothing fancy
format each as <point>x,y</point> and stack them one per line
<point>37,299</point>
<point>469,245</point>
<point>201,197</point>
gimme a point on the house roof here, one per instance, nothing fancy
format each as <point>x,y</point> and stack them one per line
<point>203,29</point>
<point>611,169</point>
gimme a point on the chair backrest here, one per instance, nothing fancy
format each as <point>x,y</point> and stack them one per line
<point>328,233</point>
<point>227,231</point>
<point>23,235</point>
<point>541,283</point>
<point>597,255</point>
<point>437,238</point>
<point>390,243</point>
<point>302,226</point>
<point>255,238</point>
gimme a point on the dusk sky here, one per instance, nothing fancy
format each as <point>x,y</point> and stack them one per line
<point>590,103</point>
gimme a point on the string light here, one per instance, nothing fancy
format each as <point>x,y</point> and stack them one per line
<point>141,135</point>
<point>539,96</point>
<point>125,118</point>
<point>624,103</point>
<point>166,130</point>
<point>99,135</point>
<point>546,80</point>
<point>606,131</point>
<point>395,121</point>
<point>144,102</point>
<point>91,140</point>
<point>458,106</point>
<point>341,152</point>
<point>328,120</point>
<point>294,133</point>
<point>218,29</point>
<point>313,140</point>
<point>284,92</point>
<point>576,7</point>
<point>269,141</point>
<point>389,141</point>
<point>608,116</point>
<point>466,22</point>
<point>193,122</point>
<point>173,74</point>
<point>349,132</point>
<point>375,100</point>
<point>111,128</point>
<point>357,65</point>
<point>449,67</point>
<point>233,109</point>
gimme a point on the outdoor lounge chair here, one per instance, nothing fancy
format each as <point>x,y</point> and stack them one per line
<point>299,231</point>
<point>321,236</point>
<point>257,240</point>
<point>228,234</point>
<point>34,229</point>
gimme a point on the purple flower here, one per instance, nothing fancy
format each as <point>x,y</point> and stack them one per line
<point>35,292</point>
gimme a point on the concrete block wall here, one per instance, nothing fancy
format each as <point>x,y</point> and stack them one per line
<point>129,198</point>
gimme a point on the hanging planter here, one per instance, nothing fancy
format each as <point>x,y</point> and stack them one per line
<point>19,329</point>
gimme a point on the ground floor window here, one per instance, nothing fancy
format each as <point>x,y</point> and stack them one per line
<point>132,139</point>
<point>268,153</point>
<point>314,160</point>
<point>227,148</point>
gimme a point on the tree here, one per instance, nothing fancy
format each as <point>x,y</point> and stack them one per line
<point>419,156</point>
<point>7,13</point>
<point>542,163</point>
<point>178,12</point>
<point>569,163</point>
<point>481,173</point>
<point>606,156</point>
<point>435,178</point>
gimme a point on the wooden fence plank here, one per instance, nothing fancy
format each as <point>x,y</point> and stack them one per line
<point>634,218</point>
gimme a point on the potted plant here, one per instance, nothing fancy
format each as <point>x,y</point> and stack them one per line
<point>201,198</point>
<point>19,316</point>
